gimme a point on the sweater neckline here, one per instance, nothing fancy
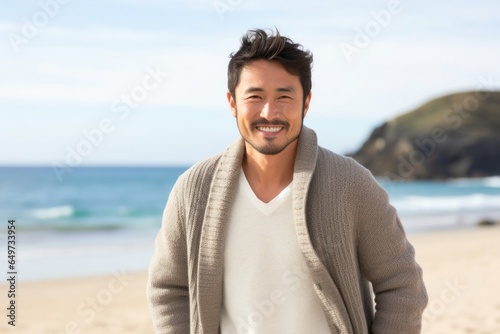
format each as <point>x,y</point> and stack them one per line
<point>269,207</point>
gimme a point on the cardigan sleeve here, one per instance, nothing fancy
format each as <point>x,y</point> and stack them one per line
<point>167,289</point>
<point>387,260</point>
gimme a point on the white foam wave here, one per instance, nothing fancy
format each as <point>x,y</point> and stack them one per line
<point>493,182</point>
<point>54,212</point>
<point>450,204</point>
<point>490,182</point>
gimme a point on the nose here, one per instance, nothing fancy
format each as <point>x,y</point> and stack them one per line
<point>270,110</point>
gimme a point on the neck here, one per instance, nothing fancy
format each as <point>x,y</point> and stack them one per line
<point>268,175</point>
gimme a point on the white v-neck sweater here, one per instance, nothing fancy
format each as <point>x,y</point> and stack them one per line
<point>348,232</point>
<point>267,287</point>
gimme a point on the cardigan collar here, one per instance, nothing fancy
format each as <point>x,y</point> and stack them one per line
<point>222,192</point>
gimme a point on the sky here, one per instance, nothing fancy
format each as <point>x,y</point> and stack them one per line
<point>143,82</point>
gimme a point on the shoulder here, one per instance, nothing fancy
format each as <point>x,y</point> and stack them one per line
<point>199,175</point>
<point>346,175</point>
<point>340,165</point>
<point>196,182</point>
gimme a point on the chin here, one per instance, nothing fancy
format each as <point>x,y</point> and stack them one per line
<point>267,149</point>
<point>271,151</point>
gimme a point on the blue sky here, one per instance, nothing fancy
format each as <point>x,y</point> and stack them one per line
<point>68,66</point>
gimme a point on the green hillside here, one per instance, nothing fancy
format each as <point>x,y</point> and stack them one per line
<point>453,136</point>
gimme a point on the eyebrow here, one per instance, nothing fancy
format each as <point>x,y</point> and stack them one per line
<point>253,90</point>
<point>287,89</point>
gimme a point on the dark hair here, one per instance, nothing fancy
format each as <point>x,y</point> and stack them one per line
<point>257,44</point>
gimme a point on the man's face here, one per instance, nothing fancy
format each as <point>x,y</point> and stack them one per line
<point>269,106</point>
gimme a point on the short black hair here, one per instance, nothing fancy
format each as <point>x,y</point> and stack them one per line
<point>257,44</point>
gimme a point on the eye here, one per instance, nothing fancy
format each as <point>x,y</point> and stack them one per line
<point>284,97</point>
<point>253,97</point>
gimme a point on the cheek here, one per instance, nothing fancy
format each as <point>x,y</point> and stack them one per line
<point>245,112</point>
<point>298,118</point>
<point>240,120</point>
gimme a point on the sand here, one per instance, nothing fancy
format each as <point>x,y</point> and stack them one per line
<point>461,270</point>
<point>462,276</point>
<point>109,304</point>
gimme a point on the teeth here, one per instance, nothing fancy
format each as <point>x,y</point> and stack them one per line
<point>269,128</point>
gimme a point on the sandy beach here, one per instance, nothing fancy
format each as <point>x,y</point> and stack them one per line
<point>105,304</point>
<point>461,270</point>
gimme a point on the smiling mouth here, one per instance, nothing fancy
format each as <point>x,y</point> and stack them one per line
<point>269,129</point>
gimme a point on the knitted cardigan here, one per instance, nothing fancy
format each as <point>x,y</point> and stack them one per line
<point>348,232</point>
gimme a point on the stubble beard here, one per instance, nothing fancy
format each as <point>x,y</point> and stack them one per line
<point>271,148</point>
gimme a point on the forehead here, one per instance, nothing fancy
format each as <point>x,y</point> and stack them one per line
<point>266,73</point>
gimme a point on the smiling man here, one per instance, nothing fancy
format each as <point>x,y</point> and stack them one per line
<point>277,234</point>
<point>269,106</point>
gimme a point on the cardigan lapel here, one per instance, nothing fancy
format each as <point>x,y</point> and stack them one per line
<point>211,253</point>
<point>305,165</point>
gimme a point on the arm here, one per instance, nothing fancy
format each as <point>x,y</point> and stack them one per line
<point>387,260</point>
<point>167,289</point>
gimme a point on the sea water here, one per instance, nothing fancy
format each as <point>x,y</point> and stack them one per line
<point>90,221</point>
<point>102,220</point>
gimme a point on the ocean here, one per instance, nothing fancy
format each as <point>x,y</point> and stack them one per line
<point>101,220</point>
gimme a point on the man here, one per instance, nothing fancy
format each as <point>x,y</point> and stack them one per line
<point>277,234</point>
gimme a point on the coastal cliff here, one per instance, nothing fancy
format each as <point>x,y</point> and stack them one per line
<point>455,136</point>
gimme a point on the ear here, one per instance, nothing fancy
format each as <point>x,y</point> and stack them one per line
<point>306,103</point>
<point>232,103</point>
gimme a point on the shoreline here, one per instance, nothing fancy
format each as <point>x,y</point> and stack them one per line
<point>461,270</point>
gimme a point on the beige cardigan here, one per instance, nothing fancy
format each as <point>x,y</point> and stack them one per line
<point>347,231</point>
